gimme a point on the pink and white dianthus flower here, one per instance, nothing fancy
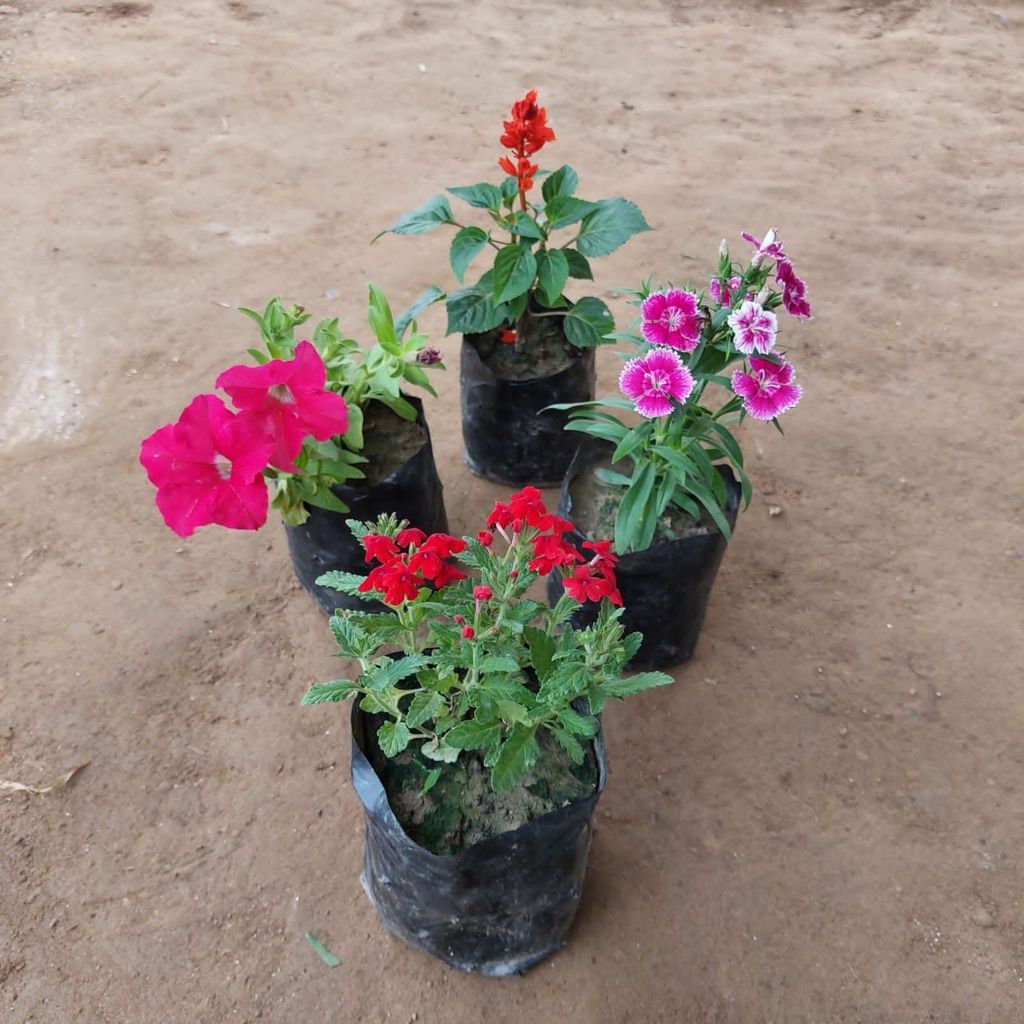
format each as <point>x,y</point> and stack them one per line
<point>753,328</point>
<point>768,390</point>
<point>769,248</point>
<point>721,291</point>
<point>289,397</point>
<point>655,381</point>
<point>672,318</point>
<point>794,291</point>
<point>207,468</point>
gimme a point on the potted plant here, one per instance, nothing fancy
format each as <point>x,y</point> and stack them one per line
<point>526,345</point>
<point>323,430</point>
<point>669,486</point>
<point>477,752</point>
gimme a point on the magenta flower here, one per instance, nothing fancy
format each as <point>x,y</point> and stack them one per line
<point>768,390</point>
<point>289,397</point>
<point>672,318</point>
<point>769,248</point>
<point>722,292</point>
<point>207,468</point>
<point>753,328</point>
<point>652,382</point>
<point>794,291</point>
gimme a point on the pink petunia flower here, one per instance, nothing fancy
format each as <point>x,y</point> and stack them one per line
<point>794,291</point>
<point>672,318</point>
<point>207,468</point>
<point>289,396</point>
<point>753,328</point>
<point>653,381</point>
<point>723,291</point>
<point>768,390</point>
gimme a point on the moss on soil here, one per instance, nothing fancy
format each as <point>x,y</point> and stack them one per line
<point>461,808</point>
<point>388,443</point>
<point>595,505</point>
<point>541,349</point>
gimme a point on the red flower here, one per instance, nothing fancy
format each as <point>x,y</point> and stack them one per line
<point>524,508</point>
<point>448,574</point>
<point>395,581</point>
<point>443,545</point>
<point>482,592</point>
<point>508,336</point>
<point>550,551</point>
<point>604,559</point>
<point>467,632</point>
<point>525,133</point>
<point>379,547</point>
<point>410,537</point>
<point>289,397</point>
<point>207,468</point>
<point>485,537</point>
<point>583,585</point>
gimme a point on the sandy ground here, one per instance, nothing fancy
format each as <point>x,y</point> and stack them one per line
<point>822,820</point>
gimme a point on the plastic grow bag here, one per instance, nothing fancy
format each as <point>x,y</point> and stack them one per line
<point>507,436</point>
<point>324,542</point>
<point>665,588</point>
<point>497,907</point>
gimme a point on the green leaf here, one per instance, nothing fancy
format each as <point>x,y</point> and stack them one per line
<point>565,210</point>
<point>635,684</point>
<point>423,706</point>
<point>609,476</point>
<point>325,498</point>
<point>393,738</point>
<point>483,196</point>
<point>329,693</point>
<point>614,222</point>
<point>570,745</point>
<point>552,274</point>
<point>542,650</point>
<point>708,500</point>
<point>518,754</point>
<point>473,735</point>
<point>562,182</point>
<point>426,298</point>
<point>440,752</point>
<point>322,951</point>
<point>472,311</point>
<point>515,267</point>
<point>587,322</point>
<point>633,440</point>
<point>346,582</point>
<point>579,265</point>
<point>465,245</point>
<point>353,436</point>
<point>632,507</point>
<point>433,212</point>
<point>581,725</point>
<point>432,776</point>
<point>498,663</point>
<point>525,226</point>
<point>260,357</point>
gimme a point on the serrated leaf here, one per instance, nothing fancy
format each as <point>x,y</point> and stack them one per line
<point>329,693</point>
<point>473,735</point>
<point>581,725</point>
<point>434,212</point>
<point>472,311</point>
<point>423,706</point>
<point>525,226</point>
<point>465,246</point>
<point>517,755</point>
<point>552,274</point>
<point>440,751</point>
<point>542,650</point>
<point>565,210</point>
<point>614,222</point>
<point>570,745</point>
<point>587,322</point>
<point>629,685</point>
<point>515,267</point>
<point>562,182</point>
<point>498,663</point>
<point>579,265</point>
<point>483,196</point>
<point>510,711</point>
<point>345,582</point>
<point>393,738</point>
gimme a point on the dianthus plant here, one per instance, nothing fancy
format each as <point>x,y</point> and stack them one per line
<point>533,260</point>
<point>687,339</point>
<point>480,666</point>
<point>298,428</point>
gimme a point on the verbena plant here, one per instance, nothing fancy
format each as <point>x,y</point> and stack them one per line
<point>530,268</point>
<point>480,666</point>
<point>687,340</point>
<point>298,428</point>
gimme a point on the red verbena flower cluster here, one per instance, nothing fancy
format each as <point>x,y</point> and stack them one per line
<point>410,562</point>
<point>524,135</point>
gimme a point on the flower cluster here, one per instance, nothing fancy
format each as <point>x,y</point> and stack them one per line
<point>209,466</point>
<point>409,562</point>
<point>794,291</point>
<point>525,133</point>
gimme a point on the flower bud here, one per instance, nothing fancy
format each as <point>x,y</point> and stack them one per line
<point>467,633</point>
<point>762,296</point>
<point>485,537</point>
<point>508,336</point>
<point>723,249</point>
<point>458,620</point>
<point>513,574</point>
<point>482,593</point>
<point>428,357</point>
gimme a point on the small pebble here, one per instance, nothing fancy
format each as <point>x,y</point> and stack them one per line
<point>843,731</point>
<point>116,585</point>
<point>912,691</point>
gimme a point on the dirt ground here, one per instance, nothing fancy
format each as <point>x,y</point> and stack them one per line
<point>822,820</point>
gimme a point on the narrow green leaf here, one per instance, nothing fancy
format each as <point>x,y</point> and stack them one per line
<point>633,440</point>
<point>322,951</point>
<point>570,745</point>
<point>432,776</point>
<point>632,507</point>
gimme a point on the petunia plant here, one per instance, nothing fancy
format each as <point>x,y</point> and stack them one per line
<point>688,339</point>
<point>480,666</point>
<point>297,430</point>
<point>537,243</point>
